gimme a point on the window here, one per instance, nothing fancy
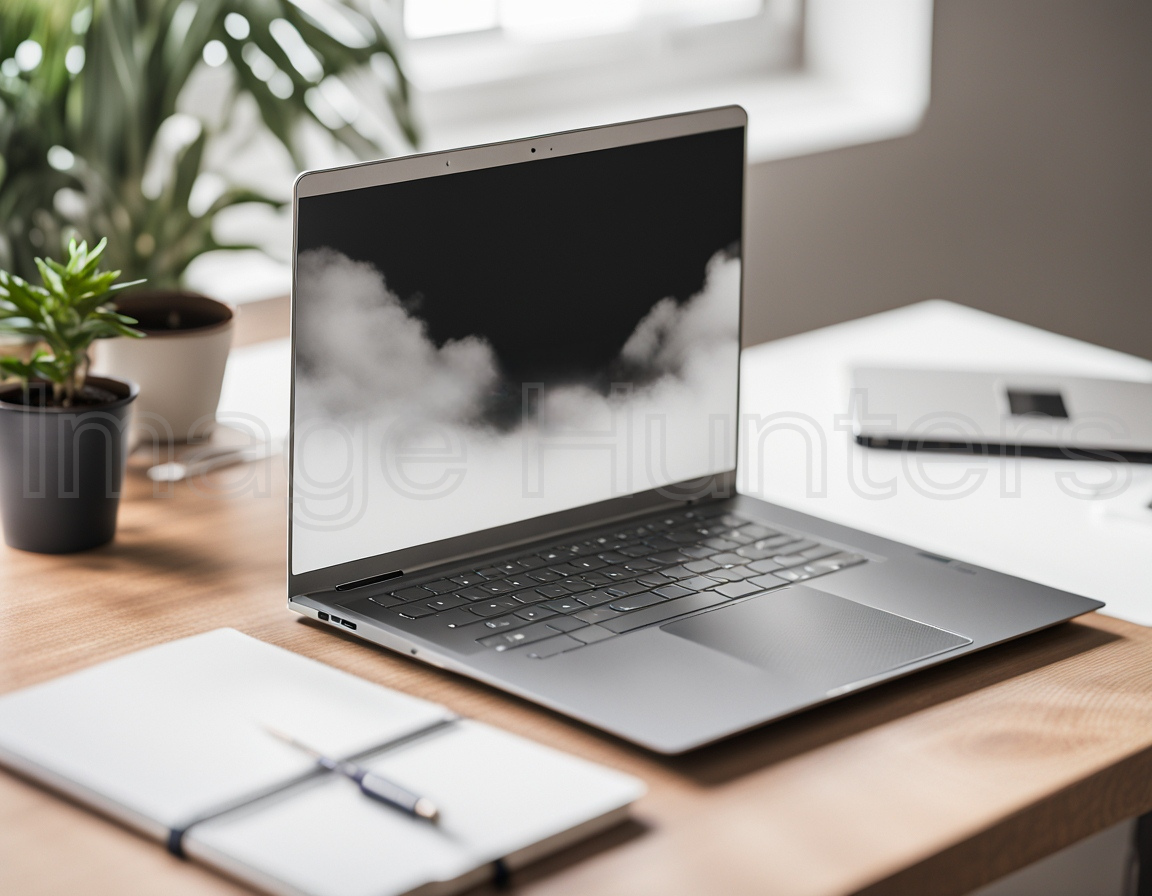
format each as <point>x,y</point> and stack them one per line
<point>475,61</point>
<point>813,74</point>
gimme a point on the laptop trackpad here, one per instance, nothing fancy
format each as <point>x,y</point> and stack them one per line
<point>814,637</point>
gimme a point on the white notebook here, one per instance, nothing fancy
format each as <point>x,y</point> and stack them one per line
<point>170,740</point>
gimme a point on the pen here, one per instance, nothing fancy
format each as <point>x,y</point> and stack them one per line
<point>370,783</point>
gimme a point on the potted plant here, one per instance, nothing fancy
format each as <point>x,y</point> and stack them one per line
<point>62,432</point>
<point>121,119</point>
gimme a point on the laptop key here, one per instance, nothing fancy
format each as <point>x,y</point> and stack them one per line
<point>789,559</point>
<point>416,611</point>
<point>543,649</point>
<point>413,593</point>
<point>526,635</point>
<point>566,623</point>
<point>767,581</point>
<point>728,558</point>
<point>552,591</point>
<point>590,634</point>
<point>530,562</point>
<point>669,557</point>
<point>623,589</point>
<point>597,614</point>
<point>757,532</point>
<point>566,569</point>
<point>636,601</point>
<point>662,611</point>
<point>527,597</point>
<point>701,566</point>
<point>575,585</point>
<point>489,573</point>
<point>494,607</point>
<point>473,593</point>
<point>496,587</point>
<point>441,586</point>
<point>738,589</point>
<point>678,572</point>
<point>642,565</point>
<point>457,617</point>
<point>533,614</point>
<point>500,623</point>
<point>468,578</point>
<point>595,578</point>
<point>544,575</point>
<point>447,602</point>
<point>654,579</point>
<point>595,598</point>
<point>764,565</point>
<point>564,605</point>
<point>734,574</point>
<point>386,600</point>
<point>670,592</point>
<point>721,544</point>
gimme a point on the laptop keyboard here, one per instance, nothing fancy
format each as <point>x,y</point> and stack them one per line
<point>578,593</point>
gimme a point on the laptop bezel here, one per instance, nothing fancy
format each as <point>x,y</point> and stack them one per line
<point>406,561</point>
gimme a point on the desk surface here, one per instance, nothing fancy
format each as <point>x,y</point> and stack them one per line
<point>937,783</point>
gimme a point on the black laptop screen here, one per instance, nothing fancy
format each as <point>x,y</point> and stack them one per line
<point>492,346</point>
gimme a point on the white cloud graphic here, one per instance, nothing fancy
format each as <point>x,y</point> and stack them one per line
<point>394,424</point>
<point>364,349</point>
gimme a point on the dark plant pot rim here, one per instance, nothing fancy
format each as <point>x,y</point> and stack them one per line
<point>174,297</point>
<point>127,390</point>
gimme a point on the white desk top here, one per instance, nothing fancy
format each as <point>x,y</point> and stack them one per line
<point>1027,516</point>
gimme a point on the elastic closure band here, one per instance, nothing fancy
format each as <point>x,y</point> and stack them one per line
<point>175,842</point>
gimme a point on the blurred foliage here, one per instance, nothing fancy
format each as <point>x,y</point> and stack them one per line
<point>66,314</point>
<point>87,85</point>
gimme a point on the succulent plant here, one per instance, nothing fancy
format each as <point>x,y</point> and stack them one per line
<point>67,314</point>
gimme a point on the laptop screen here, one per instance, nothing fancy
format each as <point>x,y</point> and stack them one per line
<point>491,346</point>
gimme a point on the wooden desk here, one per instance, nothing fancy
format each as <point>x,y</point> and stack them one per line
<point>935,784</point>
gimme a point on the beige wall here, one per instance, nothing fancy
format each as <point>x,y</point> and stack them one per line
<point>1027,192</point>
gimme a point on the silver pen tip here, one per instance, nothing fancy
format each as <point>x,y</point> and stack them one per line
<point>426,809</point>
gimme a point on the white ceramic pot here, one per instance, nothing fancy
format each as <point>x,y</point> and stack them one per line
<point>179,365</point>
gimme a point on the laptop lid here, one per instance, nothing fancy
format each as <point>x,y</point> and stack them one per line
<point>496,344</point>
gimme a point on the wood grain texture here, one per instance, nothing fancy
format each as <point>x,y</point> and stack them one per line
<point>933,784</point>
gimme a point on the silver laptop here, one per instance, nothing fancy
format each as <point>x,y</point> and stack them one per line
<point>1004,413</point>
<point>514,445</point>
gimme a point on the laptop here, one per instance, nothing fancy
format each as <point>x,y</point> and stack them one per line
<point>514,445</point>
<point>1004,413</point>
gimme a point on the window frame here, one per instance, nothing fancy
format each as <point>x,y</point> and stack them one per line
<point>857,71</point>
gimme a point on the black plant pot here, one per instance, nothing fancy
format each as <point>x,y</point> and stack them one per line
<point>61,469</point>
